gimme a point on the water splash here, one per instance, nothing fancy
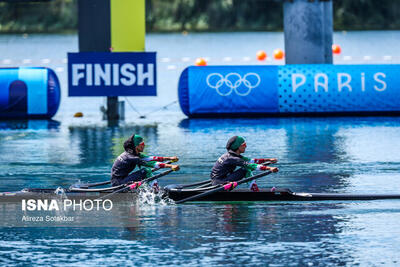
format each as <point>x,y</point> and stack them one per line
<point>77,184</point>
<point>60,192</point>
<point>147,196</point>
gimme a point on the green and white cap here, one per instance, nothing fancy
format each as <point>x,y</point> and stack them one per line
<point>132,142</point>
<point>137,139</point>
<point>234,142</point>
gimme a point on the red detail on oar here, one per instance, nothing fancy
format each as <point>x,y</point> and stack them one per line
<point>263,168</point>
<point>135,185</point>
<point>259,161</point>
<point>161,165</point>
<point>234,184</point>
<point>230,186</point>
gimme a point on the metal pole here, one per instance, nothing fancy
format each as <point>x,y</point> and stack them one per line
<point>94,35</point>
<point>112,108</point>
<point>308,30</point>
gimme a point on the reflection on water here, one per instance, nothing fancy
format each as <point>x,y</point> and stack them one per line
<point>29,125</point>
<point>41,157</point>
<point>99,145</point>
<point>316,154</point>
<point>351,154</point>
<point>248,233</point>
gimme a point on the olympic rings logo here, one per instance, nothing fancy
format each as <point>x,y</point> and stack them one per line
<point>233,81</point>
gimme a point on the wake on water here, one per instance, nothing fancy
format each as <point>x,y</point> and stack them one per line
<point>145,196</point>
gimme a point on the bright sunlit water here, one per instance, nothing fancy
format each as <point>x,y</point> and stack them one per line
<point>337,154</point>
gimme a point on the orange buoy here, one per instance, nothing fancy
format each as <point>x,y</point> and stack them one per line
<point>336,49</point>
<point>200,62</point>
<point>261,55</point>
<point>278,54</point>
<point>78,115</point>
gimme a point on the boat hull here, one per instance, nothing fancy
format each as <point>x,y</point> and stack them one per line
<point>283,195</point>
<point>223,196</point>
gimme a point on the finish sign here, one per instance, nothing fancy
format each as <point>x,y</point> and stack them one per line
<point>112,74</point>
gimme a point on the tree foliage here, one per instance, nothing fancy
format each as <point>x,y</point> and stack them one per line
<point>199,15</point>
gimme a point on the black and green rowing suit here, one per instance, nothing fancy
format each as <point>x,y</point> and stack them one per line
<point>224,168</point>
<point>127,162</point>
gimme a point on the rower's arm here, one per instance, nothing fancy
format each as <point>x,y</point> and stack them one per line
<point>247,159</point>
<point>173,167</point>
<point>156,158</point>
<point>259,167</point>
<point>150,164</point>
<point>160,165</point>
<point>146,158</point>
<point>261,161</point>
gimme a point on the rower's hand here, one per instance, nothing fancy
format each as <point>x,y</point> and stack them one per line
<point>174,159</point>
<point>273,169</point>
<point>273,160</point>
<point>175,167</point>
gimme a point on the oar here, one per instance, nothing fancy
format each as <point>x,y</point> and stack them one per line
<point>267,163</point>
<point>109,181</point>
<point>180,186</point>
<point>95,184</point>
<point>135,185</point>
<point>227,187</point>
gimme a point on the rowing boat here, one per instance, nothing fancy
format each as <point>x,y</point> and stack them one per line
<point>179,193</point>
<point>276,195</point>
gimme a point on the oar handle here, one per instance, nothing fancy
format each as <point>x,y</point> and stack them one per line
<point>223,187</point>
<point>267,163</point>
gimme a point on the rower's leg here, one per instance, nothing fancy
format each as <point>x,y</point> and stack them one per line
<point>134,177</point>
<point>233,177</point>
<point>253,185</point>
<point>154,185</point>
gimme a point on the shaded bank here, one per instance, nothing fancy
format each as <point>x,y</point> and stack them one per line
<point>196,15</point>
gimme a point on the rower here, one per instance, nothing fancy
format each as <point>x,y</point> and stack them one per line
<point>133,156</point>
<point>224,168</point>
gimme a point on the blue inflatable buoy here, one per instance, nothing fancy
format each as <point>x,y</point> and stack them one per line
<point>29,93</point>
<point>290,90</point>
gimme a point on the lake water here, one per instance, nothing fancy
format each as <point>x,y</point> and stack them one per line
<point>336,154</point>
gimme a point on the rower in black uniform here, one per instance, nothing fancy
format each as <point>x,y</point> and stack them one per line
<point>133,157</point>
<point>224,169</point>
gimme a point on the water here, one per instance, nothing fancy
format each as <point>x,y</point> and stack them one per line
<point>340,154</point>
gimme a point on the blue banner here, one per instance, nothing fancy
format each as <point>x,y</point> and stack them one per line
<point>289,89</point>
<point>339,88</point>
<point>112,74</point>
<point>218,89</point>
